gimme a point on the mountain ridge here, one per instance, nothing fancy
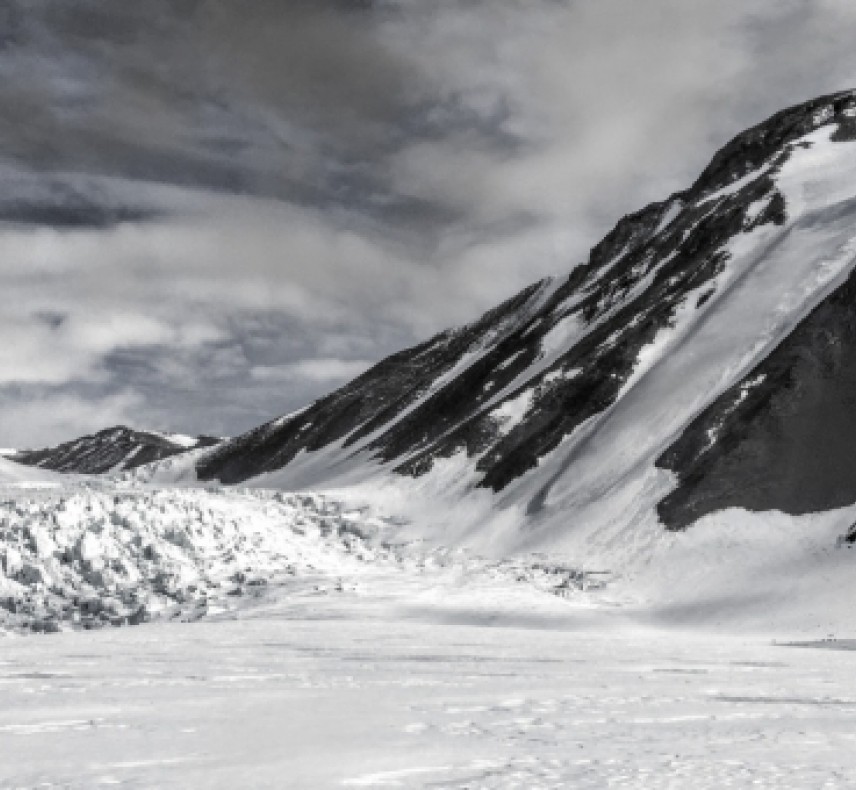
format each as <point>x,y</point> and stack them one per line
<point>118,448</point>
<point>579,388</point>
<point>514,386</point>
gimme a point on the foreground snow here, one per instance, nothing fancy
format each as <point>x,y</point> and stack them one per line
<point>397,682</point>
<point>326,652</point>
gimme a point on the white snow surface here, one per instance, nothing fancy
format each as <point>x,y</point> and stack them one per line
<point>180,439</point>
<point>512,411</point>
<point>12,474</point>
<point>301,643</point>
<point>672,213</point>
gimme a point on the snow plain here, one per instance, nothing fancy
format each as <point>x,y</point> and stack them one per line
<point>364,662</point>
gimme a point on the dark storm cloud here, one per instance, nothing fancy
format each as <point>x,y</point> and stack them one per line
<point>353,176</point>
<point>322,59</point>
<point>284,99</point>
<point>317,58</point>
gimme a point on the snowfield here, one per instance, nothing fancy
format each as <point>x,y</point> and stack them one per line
<point>333,691</point>
<point>297,642</point>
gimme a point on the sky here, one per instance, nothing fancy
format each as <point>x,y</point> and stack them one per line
<point>213,212</point>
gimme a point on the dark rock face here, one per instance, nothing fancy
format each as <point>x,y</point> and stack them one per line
<point>783,437</point>
<point>561,351</point>
<point>113,449</point>
<point>366,405</point>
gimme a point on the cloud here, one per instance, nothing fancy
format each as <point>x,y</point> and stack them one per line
<point>324,370</point>
<point>324,60</point>
<point>37,417</point>
<point>294,189</point>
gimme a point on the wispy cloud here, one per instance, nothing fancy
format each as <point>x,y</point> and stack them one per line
<point>262,197</point>
<point>324,370</point>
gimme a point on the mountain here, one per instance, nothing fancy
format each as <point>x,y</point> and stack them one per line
<point>113,449</point>
<point>701,359</point>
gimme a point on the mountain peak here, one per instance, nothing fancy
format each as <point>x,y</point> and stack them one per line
<point>574,390</point>
<point>111,449</point>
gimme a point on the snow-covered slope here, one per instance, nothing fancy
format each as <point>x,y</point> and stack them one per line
<point>13,474</point>
<point>697,362</point>
<point>113,449</point>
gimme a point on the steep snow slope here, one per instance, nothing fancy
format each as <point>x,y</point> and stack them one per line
<point>111,450</point>
<point>550,421</point>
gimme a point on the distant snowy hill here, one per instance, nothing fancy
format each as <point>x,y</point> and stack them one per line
<point>111,450</point>
<point>702,359</point>
<point>14,475</point>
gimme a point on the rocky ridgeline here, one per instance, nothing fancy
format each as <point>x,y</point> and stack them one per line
<point>85,558</point>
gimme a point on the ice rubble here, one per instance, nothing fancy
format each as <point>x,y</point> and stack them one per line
<point>91,554</point>
<point>85,556</point>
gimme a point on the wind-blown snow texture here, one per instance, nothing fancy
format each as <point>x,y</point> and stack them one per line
<point>686,343</point>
